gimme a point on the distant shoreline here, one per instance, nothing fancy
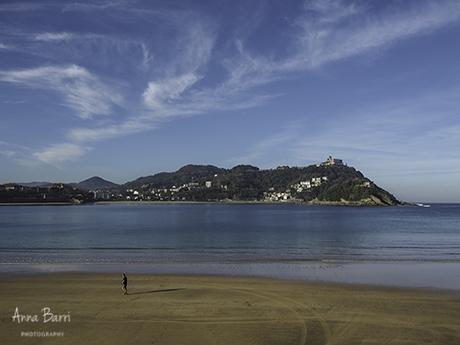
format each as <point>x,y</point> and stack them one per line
<point>38,204</point>
<point>247,202</point>
<point>225,202</point>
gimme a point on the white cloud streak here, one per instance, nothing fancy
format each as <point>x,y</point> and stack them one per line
<point>18,153</point>
<point>54,36</point>
<point>60,153</point>
<point>136,125</point>
<point>7,151</point>
<point>82,91</point>
<point>101,5</point>
<point>147,56</point>
<point>333,30</point>
<point>161,93</point>
<point>342,29</point>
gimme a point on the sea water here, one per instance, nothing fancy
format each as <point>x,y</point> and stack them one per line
<point>406,246</point>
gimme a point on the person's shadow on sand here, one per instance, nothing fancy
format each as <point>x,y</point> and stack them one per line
<point>155,291</point>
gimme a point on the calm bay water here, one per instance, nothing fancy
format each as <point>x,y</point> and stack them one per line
<point>205,237</point>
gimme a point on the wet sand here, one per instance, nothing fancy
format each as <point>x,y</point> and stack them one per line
<point>223,310</point>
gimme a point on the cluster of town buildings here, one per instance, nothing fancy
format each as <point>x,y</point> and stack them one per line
<point>302,186</point>
<point>272,195</point>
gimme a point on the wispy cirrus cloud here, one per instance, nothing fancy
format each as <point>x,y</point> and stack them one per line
<point>99,5</point>
<point>8,150</point>
<point>159,94</point>
<point>170,95</point>
<point>60,153</point>
<point>54,154</point>
<point>20,154</point>
<point>82,91</point>
<point>54,36</point>
<point>147,56</point>
<point>333,30</point>
<point>83,135</point>
<point>14,101</point>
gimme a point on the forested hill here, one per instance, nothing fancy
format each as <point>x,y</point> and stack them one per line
<point>330,182</point>
<point>321,183</point>
<point>96,182</point>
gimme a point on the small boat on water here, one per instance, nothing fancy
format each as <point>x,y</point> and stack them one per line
<point>422,205</point>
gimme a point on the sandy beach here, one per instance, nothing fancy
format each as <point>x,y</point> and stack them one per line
<point>222,310</point>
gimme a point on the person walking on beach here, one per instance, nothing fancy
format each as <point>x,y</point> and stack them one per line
<point>124,284</point>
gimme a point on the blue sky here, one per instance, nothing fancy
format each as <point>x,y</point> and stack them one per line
<point>129,88</point>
